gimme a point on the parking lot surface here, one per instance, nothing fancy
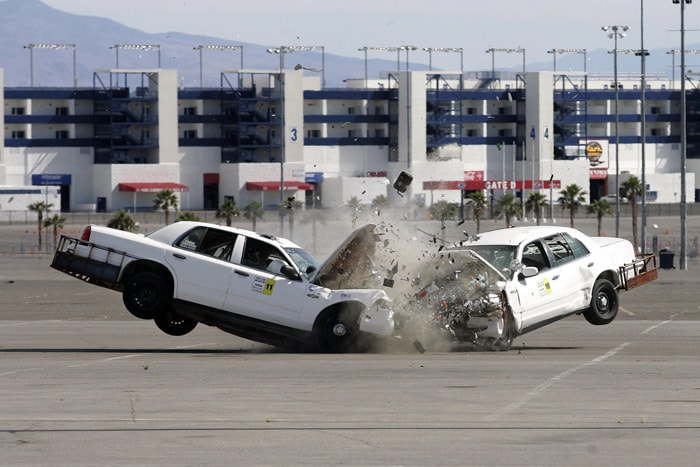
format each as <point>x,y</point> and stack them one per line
<point>84,383</point>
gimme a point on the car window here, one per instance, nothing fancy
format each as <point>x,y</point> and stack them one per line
<point>499,256</point>
<point>192,239</point>
<point>218,243</point>
<point>211,242</point>
<point>576,245</point>
<point>258,254</point>
<point>561,250</point>
<point>534,256</point>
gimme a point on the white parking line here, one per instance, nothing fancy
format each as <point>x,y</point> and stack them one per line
<point>649,329</point>
<point>544,386</point>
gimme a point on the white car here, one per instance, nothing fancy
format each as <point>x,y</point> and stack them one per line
<point>612,199</point>
<point>253,285</point>
<point>501,284</point>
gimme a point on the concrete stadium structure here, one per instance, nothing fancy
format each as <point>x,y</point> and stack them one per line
<point>135,132</point>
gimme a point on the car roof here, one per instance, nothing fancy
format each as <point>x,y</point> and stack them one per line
<point>170,232</point>
<point>516,235</point>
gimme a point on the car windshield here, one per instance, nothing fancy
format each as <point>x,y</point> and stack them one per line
<point>306,263</point>
<point>499,256</point>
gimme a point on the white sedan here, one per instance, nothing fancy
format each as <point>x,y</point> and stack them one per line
<point>501,284</point>
<point>253,285</point>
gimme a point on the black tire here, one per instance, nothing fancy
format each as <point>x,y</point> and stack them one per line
<point>604,303</point>
<point>336,330</point>
<point>146,295</point>
<point>173,324</point>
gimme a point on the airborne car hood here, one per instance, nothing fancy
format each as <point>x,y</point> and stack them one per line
<point>350,266</point>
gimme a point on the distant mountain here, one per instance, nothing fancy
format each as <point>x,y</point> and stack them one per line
<point>24,22</point>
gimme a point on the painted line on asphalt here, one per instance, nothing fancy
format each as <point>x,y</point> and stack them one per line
<point>651,328</point>
<point>544,386</point>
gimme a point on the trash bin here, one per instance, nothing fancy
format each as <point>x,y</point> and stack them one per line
<point>666,259</point>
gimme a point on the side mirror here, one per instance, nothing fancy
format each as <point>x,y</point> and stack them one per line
<point>529,271</point>
<point>290,272</point>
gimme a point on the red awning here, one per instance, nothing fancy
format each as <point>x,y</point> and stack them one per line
<point>152,187</point>
<point>275,186</point>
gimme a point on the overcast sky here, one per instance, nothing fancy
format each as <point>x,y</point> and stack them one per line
<point>475,25</point>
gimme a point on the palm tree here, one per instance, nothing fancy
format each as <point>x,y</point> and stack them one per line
<point>290,206</point>
<point>228,211</point>
<point>188,216</point>
<point>379,203</point>
<point>253,211</point>
<point>570,198</point>
<point>631,189</point>
<point>165,199</point>
<point>315,216</point>
<point>443,210</point>
<point>508,207</point>
<point>478,207</point>
<point>600,208</point>
<point>55,221</point>
<point>354,205</point>
<point>534,203</point>
<point>121,220</point>
<point>40,207</point>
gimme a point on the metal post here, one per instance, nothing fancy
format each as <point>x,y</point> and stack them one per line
<point>615,32</point>
<point>684,142</point>
<point>617,145</point>
<point>643,53</point>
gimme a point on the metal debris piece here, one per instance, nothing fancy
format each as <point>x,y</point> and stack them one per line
<point>402,182</point>
<point>418,346</point>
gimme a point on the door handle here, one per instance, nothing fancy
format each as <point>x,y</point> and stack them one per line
<point>179,256</point>
<point>590,265</point>
<point>241,273</point>
<point>555,277</point>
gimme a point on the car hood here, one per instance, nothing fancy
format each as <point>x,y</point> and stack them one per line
<point>351,265</point>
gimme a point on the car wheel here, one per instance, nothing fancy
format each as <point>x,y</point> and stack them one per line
<point>336,330</point>
<point>174,324</point>
<point>146,295</point>
<point>604,303</point>
<point>503,343</point>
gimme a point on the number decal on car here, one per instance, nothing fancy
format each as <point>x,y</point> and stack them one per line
<point>544,287</point>
<point>263,285</point>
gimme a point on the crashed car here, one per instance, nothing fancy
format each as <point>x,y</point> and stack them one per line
<point>491,288</point>
<point>257,286</point>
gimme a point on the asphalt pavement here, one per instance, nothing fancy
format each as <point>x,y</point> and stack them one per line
<point>85,383</point>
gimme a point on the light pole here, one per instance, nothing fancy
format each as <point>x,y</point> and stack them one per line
<point>615,32</point>
<point>281,51</point>
<point>383,49</point>
<point>201,48</point>
<point>554,53</point>
<point>684,142</point>
<point>643,54</point>
<point>459,50</point>
<point>408,48</point>
<point>673,53</point>
<point>145,47</point>
<point>31,48</point>
<point>493,51</point>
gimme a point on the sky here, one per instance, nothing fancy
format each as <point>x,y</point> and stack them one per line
<point>342,27</point>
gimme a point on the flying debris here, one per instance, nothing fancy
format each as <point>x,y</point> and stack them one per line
<point>402,182</point>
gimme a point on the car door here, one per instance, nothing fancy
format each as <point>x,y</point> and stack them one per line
<point>573,262</point>
<point>542,296</point>
<point>200,260</point>
<point>257,292</point>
